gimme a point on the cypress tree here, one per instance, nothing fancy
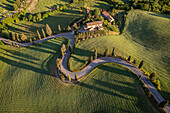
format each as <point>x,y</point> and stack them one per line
<point>59,28</point>
<point>113,52</point>
<point>69,28</point>
<point>106,53</point>
<point>141,64</point>
<point>69,78</point>
<point>63,49</point>
<point>91,58</point>
<point>30,39</point>
<point>39,36</point>
<point>153,76</point>
<point>135,61</point>
<point>13,36</point>
<point>10,42</point>
<point>95,54</point>
<point>18,37</point>
<point>76,77</point>
<point>43,33</point>
<point>129,58</point>
<point>48,30</point>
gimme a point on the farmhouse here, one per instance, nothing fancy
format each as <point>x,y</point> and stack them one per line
<point>97,25</point>
<point>107,16</point>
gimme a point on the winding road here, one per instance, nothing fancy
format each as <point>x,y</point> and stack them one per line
<point>92,65</point>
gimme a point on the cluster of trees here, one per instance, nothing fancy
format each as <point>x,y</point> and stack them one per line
<point>86,35</point>
<point>160,6</point>
<point>18,4</point>
<point>23,38</point>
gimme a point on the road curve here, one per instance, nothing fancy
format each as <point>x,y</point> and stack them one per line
<point>99,61</point>
<point>92,65</point>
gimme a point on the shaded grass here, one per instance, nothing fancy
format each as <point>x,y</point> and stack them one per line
<point>140,40</point>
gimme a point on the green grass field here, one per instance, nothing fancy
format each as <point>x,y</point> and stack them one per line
<point>145,37</point>
<point>27,85</point>
<point>6,5</point>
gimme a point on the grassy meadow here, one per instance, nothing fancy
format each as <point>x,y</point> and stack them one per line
<point>27,84</point>
<point>145,37</point>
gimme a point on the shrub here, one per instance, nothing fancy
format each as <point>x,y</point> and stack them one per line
<point>23,37</point>
<point>30,17</point>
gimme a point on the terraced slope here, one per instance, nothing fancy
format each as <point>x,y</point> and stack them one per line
<point>145,37</point>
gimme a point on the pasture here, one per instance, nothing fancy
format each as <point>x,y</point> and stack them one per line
<point>145,37</point>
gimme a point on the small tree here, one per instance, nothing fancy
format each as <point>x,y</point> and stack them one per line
<point>34,19</point>
<point>141,64</point>
<point>91,58</point>
<point>69,78</point>
<point>23,37</point>
<point>38,16</point>
<point>39,36</point>
<point>113,52</point>
<point>95,54</point>
<point>30,39</point>
<point>48,30</point>
<point>69,28</point>
<point>43,33</point>
<point>13,36</point>
<point>30,17</point>
<point>129,58</point>
<point>17,35</point>
<point>163,104</point>
<point>76,77</point>
<point>153,76</point>
<point>106,53</point>
<point>135,61</point>
<point>59,28</point>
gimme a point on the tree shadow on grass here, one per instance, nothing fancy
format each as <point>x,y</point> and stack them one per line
<point>102,90</point>
<point>122,89</point>
<point>115,70</point>
<point>22,65</point>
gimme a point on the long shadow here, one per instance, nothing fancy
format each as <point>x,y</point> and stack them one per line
<point>22,65</point>
<point>20,54</point>
<point>114,70</point>
<point>160,15</point>
<point>102,90</point>
<point>12,56</point>
<point>123,89</point>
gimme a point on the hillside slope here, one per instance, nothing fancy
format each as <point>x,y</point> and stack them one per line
<point>139,39</point>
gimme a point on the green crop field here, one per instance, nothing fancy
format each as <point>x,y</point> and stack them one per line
<point>145,37</point>
<point>28,85</point>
